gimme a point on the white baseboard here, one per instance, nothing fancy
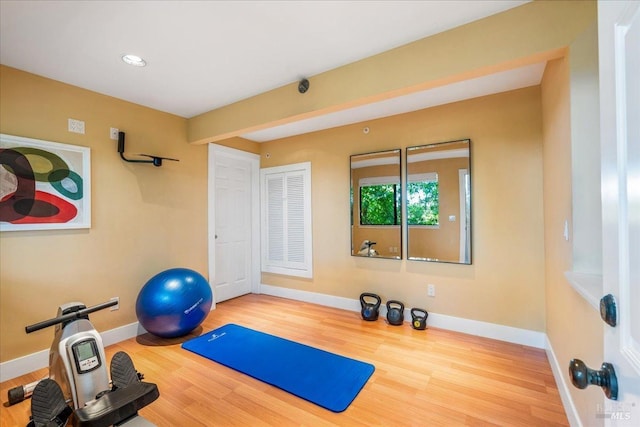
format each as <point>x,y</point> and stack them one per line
<point>23,365</point>
<point>122,333</point>
<point>458,324</point>
<point>34,361</point>
<point>312,297</point>
<point>488,330</point>
<point>563,388</point>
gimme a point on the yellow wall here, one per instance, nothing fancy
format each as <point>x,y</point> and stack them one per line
<point>574,328</point>
<point>505,284</point>
<point>144,219</point>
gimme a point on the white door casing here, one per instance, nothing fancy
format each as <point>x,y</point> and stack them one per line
<point>234,222</point>
<point>464,184</point>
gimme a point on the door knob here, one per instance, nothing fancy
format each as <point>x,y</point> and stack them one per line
<point>583,376</point>
<point>608,311</point>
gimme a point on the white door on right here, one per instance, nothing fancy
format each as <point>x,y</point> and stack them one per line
<point>619,58</point>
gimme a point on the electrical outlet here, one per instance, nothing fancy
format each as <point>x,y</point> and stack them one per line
<point>76,126</point>
<point>113,133</point>
<point>431,290</point>
<point>117,306</point>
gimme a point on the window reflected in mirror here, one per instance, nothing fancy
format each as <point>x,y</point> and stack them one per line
<point>438,206</point>
<point>376,214</point>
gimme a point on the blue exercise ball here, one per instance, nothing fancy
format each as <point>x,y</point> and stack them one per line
<point>174,302</point>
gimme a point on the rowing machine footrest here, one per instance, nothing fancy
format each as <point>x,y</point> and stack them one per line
<point>118,405</point>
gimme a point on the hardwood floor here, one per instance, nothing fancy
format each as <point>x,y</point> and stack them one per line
<point>422,378</point>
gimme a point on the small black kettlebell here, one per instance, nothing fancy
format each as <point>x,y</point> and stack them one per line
<point>419,318</point>
<point>395,315</point>
<point>370,310</point>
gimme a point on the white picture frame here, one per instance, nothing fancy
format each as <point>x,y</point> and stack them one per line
<point>44,185</point>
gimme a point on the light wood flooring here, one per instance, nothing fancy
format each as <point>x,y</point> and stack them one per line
<point>422,378</point>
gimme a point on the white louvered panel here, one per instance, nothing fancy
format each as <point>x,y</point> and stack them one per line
<point>275,218</point>
<point>286,220</point>
<point>295,218</point>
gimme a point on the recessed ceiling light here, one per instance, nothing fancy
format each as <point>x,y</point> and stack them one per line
<point>134,60</point>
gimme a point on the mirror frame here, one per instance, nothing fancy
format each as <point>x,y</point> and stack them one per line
<point>359,248</point>
<point>464,193</point>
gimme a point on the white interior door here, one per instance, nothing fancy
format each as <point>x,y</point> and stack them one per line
<point>234,237</point>
<point>619,57</point>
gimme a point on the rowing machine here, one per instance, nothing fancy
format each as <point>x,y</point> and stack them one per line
<point>78,375</point>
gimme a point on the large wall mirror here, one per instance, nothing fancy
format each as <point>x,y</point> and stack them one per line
<point>376,213</point>
<point>438,201</point>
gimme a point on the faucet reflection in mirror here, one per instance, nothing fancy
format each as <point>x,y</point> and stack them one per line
<point>376,214</point>
<point>438,202</point>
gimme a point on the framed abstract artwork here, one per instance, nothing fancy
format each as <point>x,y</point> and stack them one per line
<point>44,185</point>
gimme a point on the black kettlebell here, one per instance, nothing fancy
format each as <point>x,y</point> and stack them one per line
<point>419,318</point>
<point>395,315</point>
<point>370,310</point>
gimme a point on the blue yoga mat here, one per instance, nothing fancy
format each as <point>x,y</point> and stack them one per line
<point>326,379</point>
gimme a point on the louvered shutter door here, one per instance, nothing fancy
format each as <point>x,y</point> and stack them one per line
<point>287,220</point>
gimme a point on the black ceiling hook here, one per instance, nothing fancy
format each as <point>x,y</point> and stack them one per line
<point>156,160</point>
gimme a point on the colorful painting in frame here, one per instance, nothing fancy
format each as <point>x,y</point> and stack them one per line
<point>43,185</point>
